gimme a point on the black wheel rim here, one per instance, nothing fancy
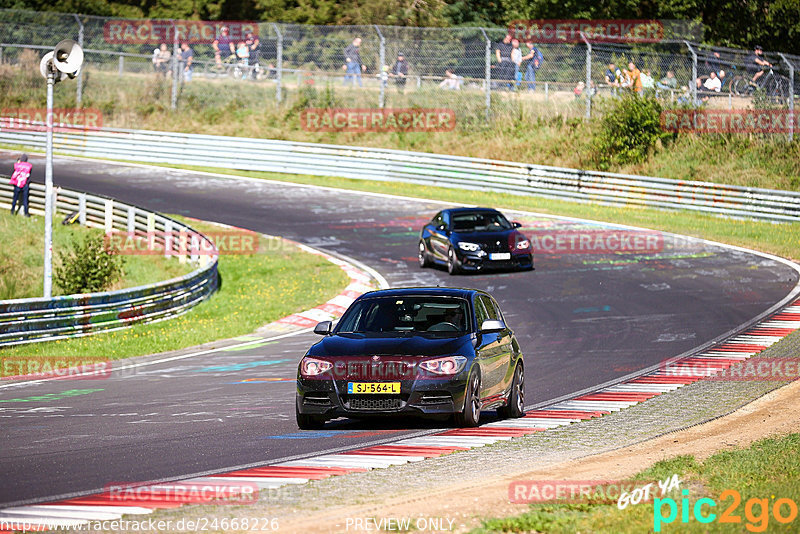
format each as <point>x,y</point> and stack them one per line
<point>476,399</point>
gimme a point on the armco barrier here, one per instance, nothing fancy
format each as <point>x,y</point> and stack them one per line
<point>428,169</point>
<point>40,319</point>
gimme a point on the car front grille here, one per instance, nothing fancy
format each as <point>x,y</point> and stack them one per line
<point>369,403</point>
<point>492,246</point>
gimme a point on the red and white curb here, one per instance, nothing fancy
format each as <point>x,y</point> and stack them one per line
<point>83,510</point>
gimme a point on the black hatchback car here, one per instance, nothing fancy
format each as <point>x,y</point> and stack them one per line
<point>414,351</point>
<point>474,239</point>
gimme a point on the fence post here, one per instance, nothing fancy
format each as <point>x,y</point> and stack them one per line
<point>168,239</point>
<point>791,95</point>
<point>488,76</point>
<point>82,209</point>
<point>588,76</point>
<point>79,89</point>
<point>693,87</point>
<point>175,51</point>
<point>382,76</point>
<point>121,63</point>
<point>279,66</point>
<point>131,226</point>
<point>108,219</point>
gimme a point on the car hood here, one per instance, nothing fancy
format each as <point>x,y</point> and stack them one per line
<point>368,345</point>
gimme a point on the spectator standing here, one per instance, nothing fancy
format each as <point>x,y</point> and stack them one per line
<point>352,62</point>
<point>613,75</point>
<point>20,179</point>
<point>254,46</point>
<point>223,46</point>
<point>634,81</point>
<point>400,72</point>
<point>534,58</point>
<point>516,59</point>
<point>156,50</point>
<point>505,68</point>
<point>187,61</point>
<point>668,82</point>
<point>162,61</point>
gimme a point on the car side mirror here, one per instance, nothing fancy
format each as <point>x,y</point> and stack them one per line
<point>492,325</point>
<point>324,328</point>
<point>515,224</point>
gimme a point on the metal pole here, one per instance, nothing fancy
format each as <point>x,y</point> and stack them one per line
<point>79,90</point>
<point>488,75</point>
<point>121,64</point>
<point>175,51</point>
<point>279,66</point>
<point>791,95</point>
<point>48,190</point>
<point>693,88</point>
<point>588,76</point>
<point>381,74</point>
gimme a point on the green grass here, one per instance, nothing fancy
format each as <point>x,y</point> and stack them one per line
<point>766,470</point>
<point>22,257</point>
<point>780,239</point>
<point>256,289</point>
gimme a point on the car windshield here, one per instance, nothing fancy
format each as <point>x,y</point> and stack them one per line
<point>406,315</point>
<point>480,221</point>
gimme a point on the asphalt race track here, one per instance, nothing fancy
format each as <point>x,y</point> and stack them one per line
<point>582,319</point>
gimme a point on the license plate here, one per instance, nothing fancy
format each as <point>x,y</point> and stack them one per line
<point>500,256</point>
<point>373,387</point>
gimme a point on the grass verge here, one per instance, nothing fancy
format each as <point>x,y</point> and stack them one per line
<point>256,289</point>
<point>780,239</point>
<point>752,486</point>
<point>22,258</point>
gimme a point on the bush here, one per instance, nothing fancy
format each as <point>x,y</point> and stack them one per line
<point>88,267</point>
<point>628,131</point>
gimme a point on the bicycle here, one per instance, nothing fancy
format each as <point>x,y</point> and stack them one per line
<point>773,85</point>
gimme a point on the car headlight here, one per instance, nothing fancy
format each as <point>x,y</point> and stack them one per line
<point>312,366</point>
<point>449,365</point>
<point>523,244</point>
<point>469,247</point>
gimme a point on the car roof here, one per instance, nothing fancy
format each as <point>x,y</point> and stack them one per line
<point>422,291</point>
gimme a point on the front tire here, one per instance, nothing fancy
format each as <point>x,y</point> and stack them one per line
<point>422,255</point>
<point>515,407</point>
<point>453,266</point>
<point>306,421</point>
<point>471,413</point>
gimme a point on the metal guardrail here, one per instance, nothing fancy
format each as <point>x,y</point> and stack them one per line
<point>40,319</point>
<point>416,167</point>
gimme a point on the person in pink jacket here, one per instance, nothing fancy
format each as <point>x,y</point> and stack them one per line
<point>21,182</point>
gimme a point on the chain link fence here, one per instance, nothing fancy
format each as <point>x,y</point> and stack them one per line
<point>300,66</point>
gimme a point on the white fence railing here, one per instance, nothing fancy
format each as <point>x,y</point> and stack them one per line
<point>41,319</point>
<point>415,167</point>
